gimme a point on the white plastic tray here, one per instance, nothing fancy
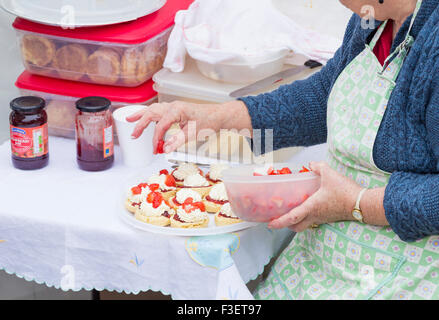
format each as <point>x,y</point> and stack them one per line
<point>81,13</point>
<point>129,218</point>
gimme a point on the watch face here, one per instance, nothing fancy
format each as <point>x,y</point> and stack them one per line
<point>357,215</point>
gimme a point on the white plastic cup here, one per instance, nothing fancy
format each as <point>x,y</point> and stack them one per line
<point>135,152</point>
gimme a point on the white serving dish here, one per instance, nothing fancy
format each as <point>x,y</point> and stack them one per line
<point>211,229</point>
<point>243,71</point>
<point>81,13</point>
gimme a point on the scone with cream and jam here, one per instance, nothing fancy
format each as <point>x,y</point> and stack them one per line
<point>155,210</point>
<point>182,195</point>
<point>184,170</point>
<point>226,216</point>
<point>136,196</point>
<point>197,183</point>
<point>166,183</point>
<point>190,215</point>
<point>216,198</point>
<point>215,173</point>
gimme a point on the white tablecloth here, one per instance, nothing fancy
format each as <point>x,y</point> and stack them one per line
<point>60,226</point>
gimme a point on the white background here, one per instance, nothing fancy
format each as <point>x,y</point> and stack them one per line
<point>326,16</point>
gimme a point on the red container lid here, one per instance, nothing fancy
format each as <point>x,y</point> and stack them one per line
<point>132,32</point>
<point>140,94</point>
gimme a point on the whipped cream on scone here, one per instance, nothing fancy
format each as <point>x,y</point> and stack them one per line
<point>226,210</point>
<point>192,217</point>
<point>218,192</point>
<point>184,170</point>
<point>183,194</point>
<point>196,180</point>
<point>161,181</point>
<point>216,171</point>
<point>140,197</point>
<point>147,209</point>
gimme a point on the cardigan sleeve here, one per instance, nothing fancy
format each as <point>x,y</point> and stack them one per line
<point>297,112</point>
<point>411,200</point>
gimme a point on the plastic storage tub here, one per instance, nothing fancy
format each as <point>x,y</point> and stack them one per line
<point>246,70</point>
<point>61,95</point>
<point>125,54</point>
<point>264,198</point>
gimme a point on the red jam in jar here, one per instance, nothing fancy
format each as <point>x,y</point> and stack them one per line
<point>29,135</point>
<point>94,134</point>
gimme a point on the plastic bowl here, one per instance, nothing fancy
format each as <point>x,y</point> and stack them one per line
<point>248,71</point>
<point>264,198</point>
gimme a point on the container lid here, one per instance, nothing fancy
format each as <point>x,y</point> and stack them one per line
<point>93,104</point>
<point>27,104</point>
<point>132,32</point>
<point>139,94</point>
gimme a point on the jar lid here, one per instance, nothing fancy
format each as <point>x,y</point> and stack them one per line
<point>132,32</point>
<point>93,104</point>
<point>27,104</point>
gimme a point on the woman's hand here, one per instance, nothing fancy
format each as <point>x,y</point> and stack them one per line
<point>192,119</point>
<point>334,201</point>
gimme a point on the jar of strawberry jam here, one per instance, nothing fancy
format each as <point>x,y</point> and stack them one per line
<point>29,135</point>
<point>94,134</point>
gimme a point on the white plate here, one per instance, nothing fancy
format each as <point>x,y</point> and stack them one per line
<point>129,218</point>
<point>81,13</point>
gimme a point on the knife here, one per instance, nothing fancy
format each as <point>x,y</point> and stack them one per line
<point>266,82</point>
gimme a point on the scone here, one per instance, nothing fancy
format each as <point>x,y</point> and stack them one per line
<point>136,196</point>
<point>133,67</point>
<point>155,210</point>
<point>103,66</point>
<point>183,195</point>
<point>71,61</point>
<point>184,170</point>
<point>197,183</point>
<point>61,118</point>
<point>166,184</point>
<point>225,216</point>
<point>215,173</point>
<point>216,198</point>
<point>190,215</point>
<point>37,50</point>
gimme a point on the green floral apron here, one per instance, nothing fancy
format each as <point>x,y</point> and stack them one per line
<point>351,260</point>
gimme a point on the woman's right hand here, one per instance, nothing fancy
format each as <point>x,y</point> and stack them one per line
<point>191,118</point>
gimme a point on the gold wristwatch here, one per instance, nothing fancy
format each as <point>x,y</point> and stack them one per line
<point>357,213</point>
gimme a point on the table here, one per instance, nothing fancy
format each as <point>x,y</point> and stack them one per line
<point>59,226</point>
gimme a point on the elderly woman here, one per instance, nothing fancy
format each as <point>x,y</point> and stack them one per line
<point>371,231</point>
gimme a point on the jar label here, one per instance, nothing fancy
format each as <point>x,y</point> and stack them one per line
<point>108,141</point>
<point>29,142</point>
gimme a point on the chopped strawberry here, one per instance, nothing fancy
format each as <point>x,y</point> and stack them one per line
<point>142,185</point>
<point>164,171</point>
<point>304,169</point>
<point>199,205</point>
<point>160,145</point>
<point>285,170</point>
<point>170,181</point>
<point>188,200</point>
<point>154,186</point>
<point>150,197</point>
<point>278,201</point>
<point>136,190</point>
<point>271,171</point>
<point>157,200</point>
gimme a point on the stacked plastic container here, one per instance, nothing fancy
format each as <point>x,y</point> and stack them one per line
<point>114,61</point>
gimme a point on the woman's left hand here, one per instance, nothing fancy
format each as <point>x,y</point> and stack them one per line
<point>334,201</point>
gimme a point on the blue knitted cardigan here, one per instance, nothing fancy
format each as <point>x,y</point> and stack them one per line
<point>407,144</point>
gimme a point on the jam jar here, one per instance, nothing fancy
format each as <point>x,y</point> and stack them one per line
<point>94,134</point>
<point>29,135</point>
